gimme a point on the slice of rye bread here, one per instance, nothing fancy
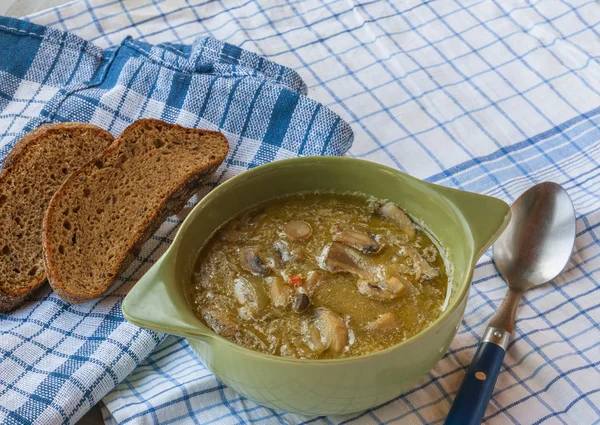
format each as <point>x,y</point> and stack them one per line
<point>102,215</point>
<point>33,170</point>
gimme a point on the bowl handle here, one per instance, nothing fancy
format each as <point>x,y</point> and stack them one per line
<point>486,217</point>
<point>154,304</point>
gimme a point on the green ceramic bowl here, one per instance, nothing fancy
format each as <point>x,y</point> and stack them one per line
<point>464,223</point>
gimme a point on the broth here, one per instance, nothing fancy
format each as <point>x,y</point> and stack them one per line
<point>319,276</point>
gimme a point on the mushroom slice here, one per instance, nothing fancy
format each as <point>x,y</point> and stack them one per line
<point>221,322</point>
<point>423,270</point>
<point>252,261</point>
<point>250,294</point>
<point>358,240</point>
<point>285,255</point>
<point>374,291</point>
<point>384,323</point>
<point>278,291</point>
<point>297,229</point>
<point>333,331</point>
<point>395,213</point>
<point>313,338</point>
<point>394,284</point>
<point>301,303</point>
<point>343,259</point>
<point>313,279</point>
<point>385,290</point>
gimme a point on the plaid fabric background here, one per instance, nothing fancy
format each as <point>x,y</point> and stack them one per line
<point>487,96</point>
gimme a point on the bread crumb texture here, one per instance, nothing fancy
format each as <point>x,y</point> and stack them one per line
<point>102,215</point>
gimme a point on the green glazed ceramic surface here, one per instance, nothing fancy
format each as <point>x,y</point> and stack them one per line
<point>464,223</point>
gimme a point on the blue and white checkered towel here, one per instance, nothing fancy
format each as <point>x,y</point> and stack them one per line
<point>490,96</point>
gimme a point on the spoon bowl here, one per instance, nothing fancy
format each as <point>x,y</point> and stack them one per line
<point>537,244</point>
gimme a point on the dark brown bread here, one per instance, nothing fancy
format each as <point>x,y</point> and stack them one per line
<point>102,215</point>
<point>31,173</point>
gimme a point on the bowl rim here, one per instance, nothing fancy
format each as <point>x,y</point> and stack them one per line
<point>453,305</point>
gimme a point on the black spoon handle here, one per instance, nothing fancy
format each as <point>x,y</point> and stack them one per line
<point>478,384</point>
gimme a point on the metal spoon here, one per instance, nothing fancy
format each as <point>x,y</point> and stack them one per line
<point>535,247</point>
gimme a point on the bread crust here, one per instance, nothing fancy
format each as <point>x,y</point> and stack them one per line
<point>176,200</point>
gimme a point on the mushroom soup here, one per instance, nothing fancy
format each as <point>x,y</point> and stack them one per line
<point>319,276</point>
